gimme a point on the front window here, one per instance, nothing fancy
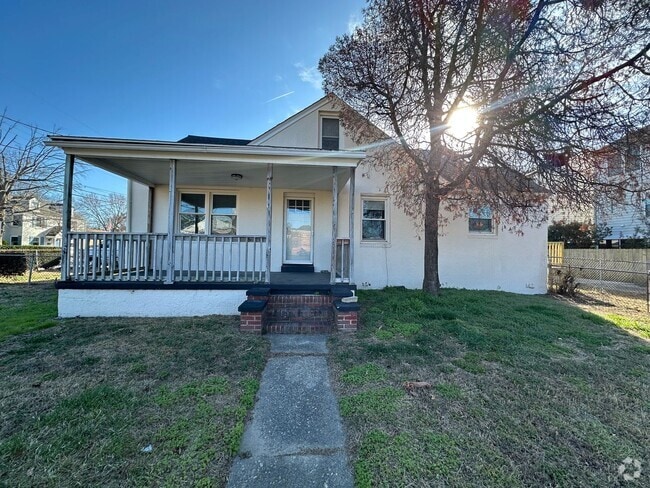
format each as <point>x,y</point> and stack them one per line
<point>224,215</point>
<point>38,221</point>
<point>633,159</point>
<point>16,240</point>
<point>373,220</point>
<point>330,134</point>
<point>194,218</point>
<point>192,213</point>
<point>481,221</point>
<point>614,165</point>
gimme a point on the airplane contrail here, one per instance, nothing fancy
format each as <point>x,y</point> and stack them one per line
<point>279,97</point>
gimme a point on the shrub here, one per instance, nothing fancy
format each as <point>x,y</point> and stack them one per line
<point>563,282</point>
<point>13,264</point>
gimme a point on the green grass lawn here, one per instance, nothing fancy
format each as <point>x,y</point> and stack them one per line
<point>80,401</point>
<point>26,307</point>
<point>525,391</point>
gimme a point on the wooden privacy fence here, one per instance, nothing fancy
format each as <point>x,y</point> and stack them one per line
<point>555,253</point>
<point>607,256</point>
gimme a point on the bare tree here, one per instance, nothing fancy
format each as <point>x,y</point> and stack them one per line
<point>28,168</point>
<point>106,213</point>
<point>537,85</point>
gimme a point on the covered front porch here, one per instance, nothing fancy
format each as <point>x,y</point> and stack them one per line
<point>294,211</point>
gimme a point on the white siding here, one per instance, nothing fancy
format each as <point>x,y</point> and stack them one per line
<point>626,221</point>
<point>502,262</point>
<point>505,261</point>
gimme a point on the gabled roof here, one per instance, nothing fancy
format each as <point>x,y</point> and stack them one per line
<point>291,120</point>
<point>314,107</point>
<point>220,141</point>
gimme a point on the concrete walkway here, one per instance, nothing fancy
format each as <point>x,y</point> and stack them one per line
<point>295,437</point>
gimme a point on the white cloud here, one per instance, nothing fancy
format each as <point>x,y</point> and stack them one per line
<point>310,74</point>
<point>353,22</point>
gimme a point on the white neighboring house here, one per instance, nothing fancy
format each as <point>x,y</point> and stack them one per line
<point>37,223</point>
<point>210,218</point>
<point>558,214</point>
<point>630,218</point>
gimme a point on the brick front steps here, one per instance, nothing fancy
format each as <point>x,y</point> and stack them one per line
<point>280,311</point>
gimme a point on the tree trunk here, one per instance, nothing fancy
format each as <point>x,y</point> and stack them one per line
<point>431,283</point>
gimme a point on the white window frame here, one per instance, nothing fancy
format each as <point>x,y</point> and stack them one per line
<point>298,196</point>
<point>375,198</point>
<point>236,214</point>
<point>324,116</point>
<point>179,213</point>
<point>207,199</point>
<point>476,233</point>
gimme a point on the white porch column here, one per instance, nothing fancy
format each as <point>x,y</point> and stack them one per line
<point>269,216</point>
<point>335,218</point>
<point>351,224</point>
<point>66,218</point>
<point>171,223</point>
<point>150,210</point>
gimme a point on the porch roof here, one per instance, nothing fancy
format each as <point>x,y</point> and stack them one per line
<point>146,161</point>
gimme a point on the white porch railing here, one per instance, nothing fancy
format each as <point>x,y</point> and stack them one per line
<point>342,260</point>
<point>144,257</point>
<point>204,258</point>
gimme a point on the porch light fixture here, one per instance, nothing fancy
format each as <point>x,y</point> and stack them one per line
<point>236,176</point>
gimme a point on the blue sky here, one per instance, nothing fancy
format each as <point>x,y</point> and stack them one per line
<point>162,69</point>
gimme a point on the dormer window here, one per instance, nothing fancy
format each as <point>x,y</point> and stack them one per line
<point>330,134</point>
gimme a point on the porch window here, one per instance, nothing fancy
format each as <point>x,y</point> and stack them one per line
<point>330,134</point>
<point>373,219</point>
<point>192,213</point>
<point>481,221</point>
<point>224,215</point>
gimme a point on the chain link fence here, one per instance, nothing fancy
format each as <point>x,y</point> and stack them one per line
<point>29,265</point>
<point>601,282</point>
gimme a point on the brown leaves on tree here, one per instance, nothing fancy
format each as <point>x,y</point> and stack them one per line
<point>553,83</point>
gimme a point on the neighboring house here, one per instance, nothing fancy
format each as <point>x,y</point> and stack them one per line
<point>628,218</point>
<point>559,214</point>
<point>37,222</point>
<point>211,218</point>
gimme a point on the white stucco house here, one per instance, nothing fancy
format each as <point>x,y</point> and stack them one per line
<point>299,205</point>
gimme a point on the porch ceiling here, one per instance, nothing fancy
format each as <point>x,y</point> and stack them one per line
<point>211,165</point>
<point>218,173</point>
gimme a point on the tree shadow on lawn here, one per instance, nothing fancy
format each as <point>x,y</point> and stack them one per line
<point>525,390</point>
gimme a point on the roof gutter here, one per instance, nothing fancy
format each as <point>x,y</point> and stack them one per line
<point>170,150</point>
